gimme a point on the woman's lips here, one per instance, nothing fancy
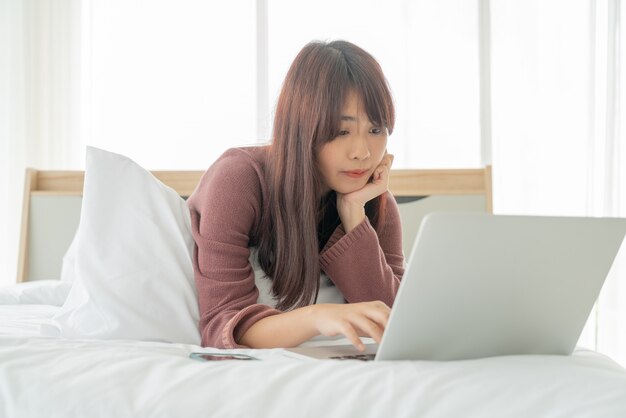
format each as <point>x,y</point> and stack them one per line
<point>355,174</point>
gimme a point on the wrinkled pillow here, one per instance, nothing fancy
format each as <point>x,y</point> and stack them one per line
<point>131,259</point>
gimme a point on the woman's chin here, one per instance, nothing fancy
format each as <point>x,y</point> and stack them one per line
<point>348,188</point>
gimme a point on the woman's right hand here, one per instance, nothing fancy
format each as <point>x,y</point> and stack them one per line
<point>365,319</point>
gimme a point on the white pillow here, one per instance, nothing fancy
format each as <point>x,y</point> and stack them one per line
<point>132,258</point>
<point>38,292</point>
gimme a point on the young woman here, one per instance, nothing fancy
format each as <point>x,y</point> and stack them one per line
<point>287,233</point>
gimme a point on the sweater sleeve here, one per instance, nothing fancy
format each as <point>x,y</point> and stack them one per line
<point>367,264</point>
<point>225,208</point>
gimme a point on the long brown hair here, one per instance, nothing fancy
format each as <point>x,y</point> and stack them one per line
<point>307,116</point>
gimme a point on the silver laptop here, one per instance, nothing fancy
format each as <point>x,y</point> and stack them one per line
<point>481,285</point>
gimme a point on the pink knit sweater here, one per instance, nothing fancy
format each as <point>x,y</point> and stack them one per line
<point>226,208</point>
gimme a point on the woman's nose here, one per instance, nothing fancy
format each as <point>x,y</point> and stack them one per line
<point>359,149</point>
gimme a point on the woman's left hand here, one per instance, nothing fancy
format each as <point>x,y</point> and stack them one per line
<point>351,206</point>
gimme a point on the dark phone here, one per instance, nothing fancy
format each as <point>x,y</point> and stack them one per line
<point>220,356</point>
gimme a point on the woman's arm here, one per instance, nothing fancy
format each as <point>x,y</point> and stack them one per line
<point>366,264</point>
<point>292,328</point>
<point>224,210</point>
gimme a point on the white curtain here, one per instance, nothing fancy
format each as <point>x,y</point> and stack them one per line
<point>171,84</point>
<point>540,78</point>
<point>39,104</point>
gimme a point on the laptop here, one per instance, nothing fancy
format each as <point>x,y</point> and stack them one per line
<point>481,285</point>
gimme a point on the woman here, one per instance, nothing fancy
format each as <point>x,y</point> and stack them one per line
<point>311,211</point>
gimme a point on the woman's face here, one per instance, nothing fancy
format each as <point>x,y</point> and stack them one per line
<point>348,161</point>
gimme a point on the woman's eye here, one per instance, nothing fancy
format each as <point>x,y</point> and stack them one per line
<point>343,132</point>
<point>376,131</point>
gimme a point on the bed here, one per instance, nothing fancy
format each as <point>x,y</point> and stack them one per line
<point>120,372</point>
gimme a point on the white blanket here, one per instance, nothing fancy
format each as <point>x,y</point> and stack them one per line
<point>49,377</point>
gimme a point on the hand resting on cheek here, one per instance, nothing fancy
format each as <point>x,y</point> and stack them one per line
<point>351,206</point>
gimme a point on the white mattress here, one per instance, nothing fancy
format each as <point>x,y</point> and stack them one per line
<point>49,377</point>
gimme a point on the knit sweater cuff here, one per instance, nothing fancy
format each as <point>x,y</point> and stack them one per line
<point>339,242</point>
<point>242,321</point>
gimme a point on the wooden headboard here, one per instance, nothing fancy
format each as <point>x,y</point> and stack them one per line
<point>52,201</point>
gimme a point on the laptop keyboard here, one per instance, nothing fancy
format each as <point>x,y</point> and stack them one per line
<point>362,357</point>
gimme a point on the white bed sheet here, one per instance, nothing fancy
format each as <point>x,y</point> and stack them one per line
<point>49,377</point>
<point>24,320</point>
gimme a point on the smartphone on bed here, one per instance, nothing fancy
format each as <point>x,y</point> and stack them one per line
<point>220,356</point>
